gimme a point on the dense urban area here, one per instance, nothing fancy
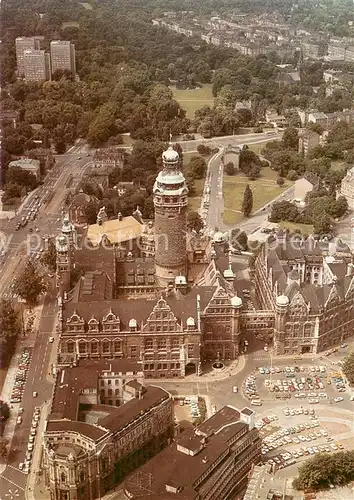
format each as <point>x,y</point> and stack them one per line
<point>177,250</point>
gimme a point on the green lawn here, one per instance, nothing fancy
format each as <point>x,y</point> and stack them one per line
<point>264,190</point>
<point>191,100</point>
<point>305,229</point>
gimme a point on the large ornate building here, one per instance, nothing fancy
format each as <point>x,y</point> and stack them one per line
<point>170,299</point>
<point>309,285</point>
<point>103,423</point>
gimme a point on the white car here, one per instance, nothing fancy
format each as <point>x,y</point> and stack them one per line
<point>19,420</point>
<point>235,388</point>
<point>338,400</point>
<point>51,339</point>
<point>34,394</point>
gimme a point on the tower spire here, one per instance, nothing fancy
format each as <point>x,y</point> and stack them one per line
<point>170,143</point>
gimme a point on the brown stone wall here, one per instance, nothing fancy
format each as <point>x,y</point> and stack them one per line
<point>170,237</point>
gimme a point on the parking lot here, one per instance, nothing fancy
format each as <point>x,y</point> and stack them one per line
<point>21,375</point>
<point>292,435</point>
<point>312,383</point>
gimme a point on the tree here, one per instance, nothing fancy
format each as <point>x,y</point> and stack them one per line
<point>322,224</point>
<point>247,203</point>
<point>348,368</point>
<point>90,212</point>
<point>194,221</point>
<point>4,411</point>
<point>324,470</point>
<point>291,138</point>
<point>49,257</point>
<point>230,168</point>
<point>3,447</point>
<point>280,181</point>
<point>238,239</point>
<point>10,325</point>
<point>284,210</point>
<point>197,167</point>
<point>342,206</point>
<point>30,284</point>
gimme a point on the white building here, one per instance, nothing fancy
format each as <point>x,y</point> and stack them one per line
<point>347,188</point>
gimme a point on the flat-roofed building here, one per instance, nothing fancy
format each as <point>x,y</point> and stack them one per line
<point>36,65</point>
<point>22,44</point>
<point>211,461</point>
<point>62,55</point>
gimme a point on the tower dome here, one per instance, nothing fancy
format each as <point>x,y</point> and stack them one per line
<point>236,301</point>
<point>282,301</point>
<point>170,156</point>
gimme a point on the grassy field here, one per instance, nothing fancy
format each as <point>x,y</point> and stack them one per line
<point>191,100</point>
<point>3,372</point>
<point>305,229</point>
<point>264,190</point>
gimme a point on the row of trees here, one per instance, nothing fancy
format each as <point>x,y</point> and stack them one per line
<point>320,210</point>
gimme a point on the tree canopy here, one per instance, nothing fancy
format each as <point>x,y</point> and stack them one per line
<point>30,285</point>
<point>247,203</point>
<point>324,470</point>
<point>348,368</point>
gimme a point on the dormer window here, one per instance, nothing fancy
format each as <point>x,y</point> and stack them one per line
<point>133,325</point>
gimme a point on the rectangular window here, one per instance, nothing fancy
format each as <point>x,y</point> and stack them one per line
<point>149,344</point>
<point>94,347</point>
<point>133,350</point>
<point>175,343</point>
<point>105,347</point>
<point>117,346</point>
<point>161,344</point>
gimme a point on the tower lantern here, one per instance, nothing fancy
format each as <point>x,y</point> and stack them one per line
<point>170,201</point>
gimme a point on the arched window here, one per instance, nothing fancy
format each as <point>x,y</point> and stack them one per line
<point>63,477</point>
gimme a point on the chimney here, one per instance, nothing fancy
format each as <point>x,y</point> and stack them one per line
<point>140,394</point>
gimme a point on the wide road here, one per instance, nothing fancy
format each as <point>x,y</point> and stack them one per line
<point>230,140</point>
<point>49,198</point>
<point>12,479</point>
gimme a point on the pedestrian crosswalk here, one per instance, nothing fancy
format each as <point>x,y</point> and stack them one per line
<point>261,356</point>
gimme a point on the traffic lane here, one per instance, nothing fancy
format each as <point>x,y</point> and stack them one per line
<point>36,380</point>
<point>11,489</point>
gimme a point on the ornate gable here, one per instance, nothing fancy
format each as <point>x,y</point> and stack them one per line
<point>298,301</point>
<point>161,319</point>
<point>220,299</point>
<point>333,297</point>
<point>75,318</point>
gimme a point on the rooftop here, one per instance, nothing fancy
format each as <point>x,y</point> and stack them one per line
<point>135,408</point>
<point>181,464</point>
<point>117,231</point>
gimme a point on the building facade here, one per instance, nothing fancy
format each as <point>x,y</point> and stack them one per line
<point>88,447</point>
<point>347,188</point>
<point>22,44</point>
<point>211,461</point>
<point>36,64</point>
<point>62,56</point>
<point>311,293</point>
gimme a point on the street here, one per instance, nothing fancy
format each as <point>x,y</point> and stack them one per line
<point>38,379</point>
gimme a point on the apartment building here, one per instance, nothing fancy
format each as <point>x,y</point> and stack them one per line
<point>36,64</point>
<point>62,55</point>
<point>22,44</point>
